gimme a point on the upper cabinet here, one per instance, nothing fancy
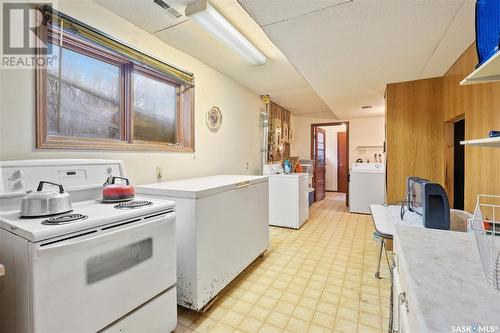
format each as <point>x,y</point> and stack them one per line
<point>489,71</point>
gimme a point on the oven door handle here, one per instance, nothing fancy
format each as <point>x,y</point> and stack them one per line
<point>89,238</point>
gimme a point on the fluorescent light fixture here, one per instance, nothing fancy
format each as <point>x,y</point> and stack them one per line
<point>211,20</point>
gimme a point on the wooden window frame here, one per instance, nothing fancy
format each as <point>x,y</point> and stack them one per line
<point>184,105</point>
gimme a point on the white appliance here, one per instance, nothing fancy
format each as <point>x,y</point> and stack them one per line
<point>222,226</point>
<point>288,197</point>
<point>272,169</point>
<point>366,186</point>
<point>102,267</point>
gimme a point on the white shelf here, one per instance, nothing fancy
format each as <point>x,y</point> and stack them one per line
<point>486,142</point>
<point>369,147</point>
<point>487,72</point>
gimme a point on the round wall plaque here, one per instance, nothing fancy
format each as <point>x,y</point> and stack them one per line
<point>214,119</point>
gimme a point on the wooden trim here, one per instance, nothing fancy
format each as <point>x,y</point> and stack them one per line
<point>152,74</point>
<point>128,101</point>
<point>184,103</point>
<point>41,92</point>
<point>84,47</point>
<point>57,142</point>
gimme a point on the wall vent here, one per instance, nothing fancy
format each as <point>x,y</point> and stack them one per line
<point>168,8</point>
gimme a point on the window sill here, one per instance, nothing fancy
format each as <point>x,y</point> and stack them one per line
<point>90,144</point>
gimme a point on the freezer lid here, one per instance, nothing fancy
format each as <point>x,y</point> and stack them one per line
<point>194,188</point>
<point>300,175</point>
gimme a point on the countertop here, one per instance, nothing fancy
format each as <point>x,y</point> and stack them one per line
<point>385,218</point>
<point>445,281</point>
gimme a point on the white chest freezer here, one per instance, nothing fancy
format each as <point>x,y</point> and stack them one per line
<point>288,200</point>
<point>222,226</point>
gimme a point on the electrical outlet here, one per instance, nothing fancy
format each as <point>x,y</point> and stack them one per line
<point>247,165</point>
<point>159,173</point>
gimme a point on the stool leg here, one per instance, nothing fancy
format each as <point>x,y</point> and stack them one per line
<point>377,273</point>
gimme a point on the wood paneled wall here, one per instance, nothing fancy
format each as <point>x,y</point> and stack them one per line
<point>414,134</point>
<point>416,115</point>
<point>480,104</point>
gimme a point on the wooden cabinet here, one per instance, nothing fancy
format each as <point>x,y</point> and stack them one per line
<point>414,134</point>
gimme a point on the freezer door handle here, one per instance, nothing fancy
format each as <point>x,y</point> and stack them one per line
<point>2,270</point>
<point>243,184</point>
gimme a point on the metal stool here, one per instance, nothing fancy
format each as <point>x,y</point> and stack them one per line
<point>383,239</point>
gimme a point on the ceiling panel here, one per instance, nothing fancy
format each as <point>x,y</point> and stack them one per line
<point>145,14</point>
<point>351,106</point>
<point>301,100</point>
<point>267,12</point>
<point>349,52</point>
<point>457,39</point>
<point>279,78</point>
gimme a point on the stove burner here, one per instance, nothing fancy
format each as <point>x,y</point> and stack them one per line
<point>64,219</point>
<point>133,204</point>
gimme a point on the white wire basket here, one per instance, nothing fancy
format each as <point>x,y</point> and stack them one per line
<point>486,229</point>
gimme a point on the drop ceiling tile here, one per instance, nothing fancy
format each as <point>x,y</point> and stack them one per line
<point>145,14</point>
<point>267,12</point>
<point>459,36</point>
<point>356,48</point>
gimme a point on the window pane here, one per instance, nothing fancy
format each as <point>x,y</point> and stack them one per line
<point>155,105</point>
<point>83,96</point>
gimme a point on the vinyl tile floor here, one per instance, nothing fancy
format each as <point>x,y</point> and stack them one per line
<point>319,278</point>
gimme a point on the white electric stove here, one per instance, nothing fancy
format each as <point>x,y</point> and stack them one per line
<point>102,267</point>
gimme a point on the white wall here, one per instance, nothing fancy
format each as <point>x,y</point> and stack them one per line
<point>366,132</point>
<point>237,142</point>
<point>331,181</point>
<point>362,132</point>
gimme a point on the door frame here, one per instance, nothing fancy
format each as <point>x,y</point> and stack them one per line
<point>335,123</point>
<point>449,157</point>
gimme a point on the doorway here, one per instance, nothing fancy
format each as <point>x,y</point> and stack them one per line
<point>459,165</point>
<point>455,163</point>
<point>330,151</point>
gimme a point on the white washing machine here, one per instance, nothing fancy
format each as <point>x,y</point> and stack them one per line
<point>288,197</point>
<point>366,186</point>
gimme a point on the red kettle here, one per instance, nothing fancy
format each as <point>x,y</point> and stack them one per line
<point>113,191</point>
